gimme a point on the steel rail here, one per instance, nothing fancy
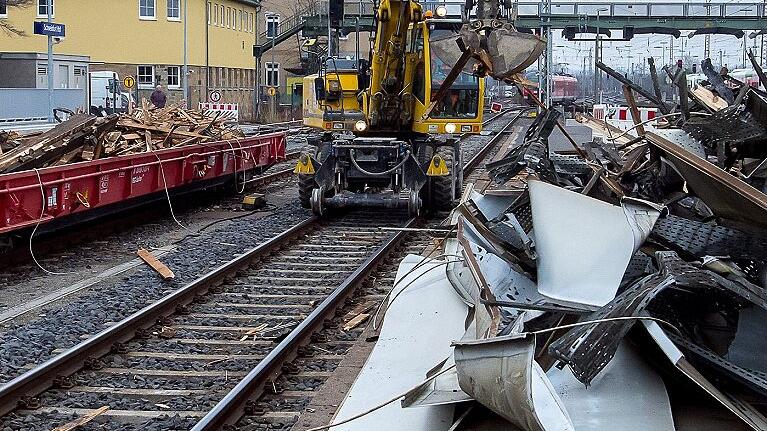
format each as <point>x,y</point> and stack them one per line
<point>35,381</point>
<point>481,154</point>
<point>236,403</point>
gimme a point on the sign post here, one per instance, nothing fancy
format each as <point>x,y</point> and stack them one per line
<point>50,29</point>
<point>129,82</point>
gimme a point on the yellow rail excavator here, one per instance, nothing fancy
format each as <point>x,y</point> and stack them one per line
<point>390,126</point>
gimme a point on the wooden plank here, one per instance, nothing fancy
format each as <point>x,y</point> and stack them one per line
<point>128,124</point>
<point>356,321</point>
<point>707,98</point>
<point>629,95</point>
<point>155,263</point>
<point>82,420</point>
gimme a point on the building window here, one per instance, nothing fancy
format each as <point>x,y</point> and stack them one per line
<point>272,74</point>
<point>3,8</point>
<point>208,13</point>
<point>228,17</point>
<point>221,15</point>
<point>145,76</point>
<point>174,10</point>
<point>174,77</point>
<point>272,25</point>
<point>42,8</point>
<point>146,9</point>
<point>239,19</point>
<point>252,23</point>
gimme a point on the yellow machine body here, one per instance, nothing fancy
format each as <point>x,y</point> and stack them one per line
<point>346,103</point>
<point>341,108</point>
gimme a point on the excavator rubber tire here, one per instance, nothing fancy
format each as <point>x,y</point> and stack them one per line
<point>440,191</point>
<point>306,184</point>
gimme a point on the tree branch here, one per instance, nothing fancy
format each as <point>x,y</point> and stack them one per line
<point>6,26</point>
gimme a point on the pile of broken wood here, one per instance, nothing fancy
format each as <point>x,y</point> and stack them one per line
<point>84,137</point>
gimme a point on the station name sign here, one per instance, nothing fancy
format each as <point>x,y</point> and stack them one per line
<point>50,29</point>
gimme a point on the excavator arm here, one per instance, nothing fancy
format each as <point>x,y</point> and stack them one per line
<point>387,81</point>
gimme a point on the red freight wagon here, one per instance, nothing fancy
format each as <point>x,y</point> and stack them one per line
<point>565,88</point>
<point>83,191</point>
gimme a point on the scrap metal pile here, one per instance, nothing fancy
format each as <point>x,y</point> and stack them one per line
<point>620,286</point>
<point>84,137</point>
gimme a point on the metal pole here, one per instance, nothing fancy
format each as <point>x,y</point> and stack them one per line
<point>329,31</point>
<point>549,54</point>
<point>49,8</point>
<point>186,61</point>
<point>257,90</point>
<point>597,76</point>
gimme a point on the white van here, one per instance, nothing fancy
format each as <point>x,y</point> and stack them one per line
<point>106,93</point>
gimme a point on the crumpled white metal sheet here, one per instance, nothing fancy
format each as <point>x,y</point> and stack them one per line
<point>501,374</point>
<point>628,395</point>
<point>416,334</point>
<point>584,244</point>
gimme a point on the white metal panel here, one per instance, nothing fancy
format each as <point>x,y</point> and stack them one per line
<point>628,395</point>
<point>584,244</point>
<point>416,335</point>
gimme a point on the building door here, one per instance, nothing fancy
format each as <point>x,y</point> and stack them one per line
<point>62,78</point>
<point>42,76</point>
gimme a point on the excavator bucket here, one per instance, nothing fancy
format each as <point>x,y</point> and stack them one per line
<point>499,52</point>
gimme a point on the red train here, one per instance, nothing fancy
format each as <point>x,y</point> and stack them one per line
<point>565,88</point>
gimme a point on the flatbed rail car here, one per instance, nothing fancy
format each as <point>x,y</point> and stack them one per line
<point>60,196</point>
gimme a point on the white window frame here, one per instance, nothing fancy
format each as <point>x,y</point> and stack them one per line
<point>228,17</point>
<point>139,75</point>
<point>152,17</point>
<point>270,68</point>
<point>178,76</point>
<point>275,19</point>
<point>5,14</point>
<point>252,23</point>
<point>41,4</point>
<point>177,9</point>
<point>239,19</point>
<point>221,17</point>
<point>209,11</point>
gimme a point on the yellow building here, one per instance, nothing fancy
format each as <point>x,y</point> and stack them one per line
<point>145,39</point>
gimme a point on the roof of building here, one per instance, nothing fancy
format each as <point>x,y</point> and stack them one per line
<point>249,2</point>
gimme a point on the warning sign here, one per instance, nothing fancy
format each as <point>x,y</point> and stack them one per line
<point>129,82</point>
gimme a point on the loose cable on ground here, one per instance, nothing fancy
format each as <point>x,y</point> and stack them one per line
<point>383,301</point>
<point>418,265</point>
<point>40,220</point>
<point>382,405</point>
<point>167,193</point>
<point>605,320</point>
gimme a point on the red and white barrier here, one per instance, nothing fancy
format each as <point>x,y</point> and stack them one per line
<point>623,113</point>
<point>229,111</point>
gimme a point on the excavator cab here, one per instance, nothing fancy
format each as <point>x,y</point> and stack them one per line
<point>459,109</point>
<point>330,96</point>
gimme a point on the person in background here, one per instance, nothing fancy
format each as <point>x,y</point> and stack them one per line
<point>158,97</point>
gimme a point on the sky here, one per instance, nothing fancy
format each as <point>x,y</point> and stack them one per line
<point>570,56</point>
<point>620,55</point>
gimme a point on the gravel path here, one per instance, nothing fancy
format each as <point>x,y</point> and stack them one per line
<point>112,300</point>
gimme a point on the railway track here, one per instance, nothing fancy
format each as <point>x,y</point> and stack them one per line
<point>197,357</point>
